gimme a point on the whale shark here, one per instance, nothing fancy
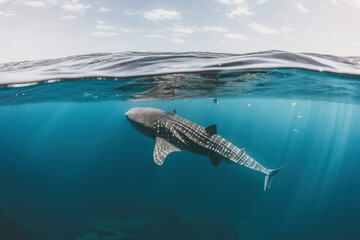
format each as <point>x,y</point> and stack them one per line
<point>174,134</point>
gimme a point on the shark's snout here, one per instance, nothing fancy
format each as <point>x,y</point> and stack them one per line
<point>129,114</point>
<point>134,114</point>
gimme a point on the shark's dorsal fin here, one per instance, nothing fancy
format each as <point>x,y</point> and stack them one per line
<point>215,161</point>
<point>162,149</point>
<point>211,130</point>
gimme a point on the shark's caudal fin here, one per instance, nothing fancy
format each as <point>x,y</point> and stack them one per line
<point>268,177</point>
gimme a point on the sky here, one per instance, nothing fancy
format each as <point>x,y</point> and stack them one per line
<point>42,29</point>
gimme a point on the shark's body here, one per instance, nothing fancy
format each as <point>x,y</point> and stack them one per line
<point>174,133</point>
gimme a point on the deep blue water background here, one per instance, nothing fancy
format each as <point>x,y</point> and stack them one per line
<point>66,168</point>
<point>72,167</point>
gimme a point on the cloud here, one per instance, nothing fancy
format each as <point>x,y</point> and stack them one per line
<point>301,8</point>
<point>75,6</point>
<point>3,1</point>
<point>184,30</point>
<point>107,30</point>
<point>190,30</point>
<point>7,13</point>
<point>104,30</point>
<point>101,26</point>
<point>68,17</point>
<point>231,2</point>
<point>213,29</point>
<point>241,8</point>
<point>262,29</point>
<point>104,9</point>
<point>36,4</point>
<point>161,14</point>
<point>130,30</point>
<point>261,1</point>
<point>176,40</point>
<point>353,3</point>
<point>103,34</point>
<point>287,29</point>
<point>128,12</point>
<point>154,36</point>
<point>236,36</point>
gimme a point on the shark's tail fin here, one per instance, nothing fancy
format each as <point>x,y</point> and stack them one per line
<point>268,177</point>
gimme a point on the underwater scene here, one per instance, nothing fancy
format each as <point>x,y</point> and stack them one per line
<point>77,164</point>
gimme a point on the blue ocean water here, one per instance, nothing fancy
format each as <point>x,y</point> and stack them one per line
<point>72,167</point>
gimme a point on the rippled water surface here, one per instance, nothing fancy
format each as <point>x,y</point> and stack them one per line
<point>72,167</point>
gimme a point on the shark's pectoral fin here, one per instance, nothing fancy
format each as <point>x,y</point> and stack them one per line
<point>215,161</point>
<point>162,149</point>
<point>211,130</point>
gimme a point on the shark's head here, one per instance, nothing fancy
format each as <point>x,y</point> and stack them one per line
<point>144,119</point>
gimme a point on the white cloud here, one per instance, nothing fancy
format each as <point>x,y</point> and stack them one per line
<point>261,1</point>
<point>184,30</point>
<point>214,29</point>
<point>176,40</point>
<point>161,14</point>
<point>262,29</point>
<point>154,36</point>
<point>104,9</point>
<point>241,8</point>
<point>130,30</point>
<point>7,13</point>
<point>35,3</point>
<point>3,1</point>
<point>128,12</point>
<point>353,3</point>
<point>103,34</point>
<point>68,17</point>
<point>356,44</point>
<point>101,26</point>
<point>287,29</point>
<point>301,8</point>
<point>236,36</point>
<point>105,30</point>
<point>231,2</point>
<point>75,6</point>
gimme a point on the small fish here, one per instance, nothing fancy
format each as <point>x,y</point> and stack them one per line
<point>174,111</point>
<point>295,130</point>
<point>294,103</point>
<point>249,104</point>
<point>299,116</point>
<point>215,100</point>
